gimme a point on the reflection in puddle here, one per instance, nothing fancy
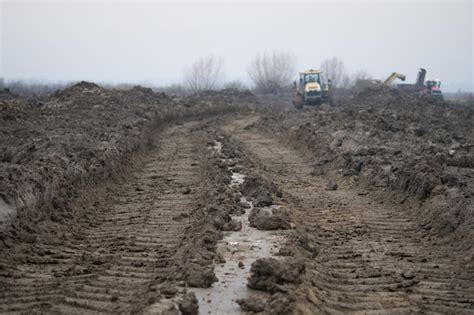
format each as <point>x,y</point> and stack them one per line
<point>237,180</point>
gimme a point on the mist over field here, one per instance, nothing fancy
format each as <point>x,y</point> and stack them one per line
<point>153,43</point>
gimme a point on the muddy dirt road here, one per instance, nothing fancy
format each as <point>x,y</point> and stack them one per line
<point>334,250</point>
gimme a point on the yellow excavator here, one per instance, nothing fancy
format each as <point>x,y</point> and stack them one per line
<point>310,90</point>
<point>370,83</point>
<point>393,77</point>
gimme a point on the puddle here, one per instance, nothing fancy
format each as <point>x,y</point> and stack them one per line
<point>237,180</point>
<point>239,249</point>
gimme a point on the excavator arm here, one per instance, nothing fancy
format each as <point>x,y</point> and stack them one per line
<point>393,76</point>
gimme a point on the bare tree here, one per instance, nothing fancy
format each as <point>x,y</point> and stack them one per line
<point>205,74</point>
<point>272,73</point>
<point>2,84</point>
<point>335,71</point>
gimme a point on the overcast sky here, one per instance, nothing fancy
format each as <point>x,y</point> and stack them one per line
<point>153,42</point>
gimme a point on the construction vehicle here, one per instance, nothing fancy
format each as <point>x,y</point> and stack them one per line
<point>432,88</point>
<point>362,84</point>
<point>311,89</point>
<point>393,76</point>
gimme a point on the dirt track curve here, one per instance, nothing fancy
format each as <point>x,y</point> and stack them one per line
<point>371,257</point>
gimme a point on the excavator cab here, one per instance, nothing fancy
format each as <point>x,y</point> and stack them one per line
<point>312,77</point>
<point>433,84</point>
<point>433,88</point>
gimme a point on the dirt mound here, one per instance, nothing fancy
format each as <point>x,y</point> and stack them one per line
<point>91,95</point>
<point>83,94</point>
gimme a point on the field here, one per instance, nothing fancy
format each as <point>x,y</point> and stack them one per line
<point>222,202</point>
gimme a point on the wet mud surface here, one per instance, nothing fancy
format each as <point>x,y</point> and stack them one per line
<point>240,247</point>
<point>110,259</point>
<point>370,253</point>
<point>243,213</point>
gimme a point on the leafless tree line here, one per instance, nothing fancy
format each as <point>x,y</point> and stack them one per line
<point>268,73</point>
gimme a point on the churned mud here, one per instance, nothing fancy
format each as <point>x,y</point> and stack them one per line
<point>109,259</point>
<point>361,208</point>
<point>236,252</point>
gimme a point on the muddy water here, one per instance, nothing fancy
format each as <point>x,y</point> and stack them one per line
<point>239,250</point>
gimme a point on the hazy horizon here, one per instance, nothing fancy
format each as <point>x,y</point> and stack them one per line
<point>152,42</point>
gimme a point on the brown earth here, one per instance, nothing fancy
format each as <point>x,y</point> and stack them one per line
<point>119,200</point>
<point>79,137</point>
<point>420,152</point>
<point>373,255</point>
<point>101,190</point>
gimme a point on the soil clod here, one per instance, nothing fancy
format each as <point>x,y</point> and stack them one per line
<point>188,305</point>
<point>269,218</point>
<point>270,274</point>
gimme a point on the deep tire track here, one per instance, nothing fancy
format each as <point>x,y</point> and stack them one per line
<point>128,243</point>
<point>372,257</point>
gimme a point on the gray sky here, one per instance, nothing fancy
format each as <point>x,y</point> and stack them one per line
<point>152,42</point>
